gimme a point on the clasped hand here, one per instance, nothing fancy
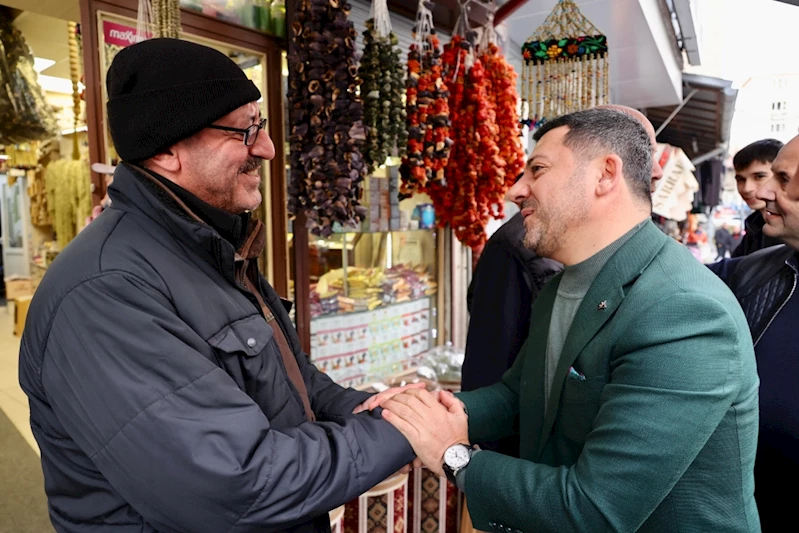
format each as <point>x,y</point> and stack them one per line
<point>432,422</point>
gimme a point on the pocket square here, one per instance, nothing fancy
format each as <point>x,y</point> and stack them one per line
<point>575,375</point>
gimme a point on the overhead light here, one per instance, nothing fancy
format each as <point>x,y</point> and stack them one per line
<point>40,64</point>
<point>57,85</point>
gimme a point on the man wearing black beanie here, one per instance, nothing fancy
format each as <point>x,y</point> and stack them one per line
<point>168,390</point>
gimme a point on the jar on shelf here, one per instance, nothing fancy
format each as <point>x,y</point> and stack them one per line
<point>262,15</point>
<point>278,12</point>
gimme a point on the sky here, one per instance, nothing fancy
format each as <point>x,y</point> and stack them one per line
<point>747,38</point>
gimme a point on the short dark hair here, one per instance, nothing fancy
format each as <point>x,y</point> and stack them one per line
<point>763,151</point>
<point>595,130</point>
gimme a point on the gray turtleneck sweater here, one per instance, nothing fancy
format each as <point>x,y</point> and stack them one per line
<point>574,285</point>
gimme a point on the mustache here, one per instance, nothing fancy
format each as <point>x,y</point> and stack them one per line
<point>250,165</point>
<point>529,204</point>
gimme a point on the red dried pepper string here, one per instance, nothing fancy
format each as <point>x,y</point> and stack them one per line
<point>503,77</point>
<point>475,173</point>
<point>427,119</point>
<point>442,193</point>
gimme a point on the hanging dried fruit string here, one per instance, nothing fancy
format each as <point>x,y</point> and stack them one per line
<point>501,87</point>
<point>475,172</point>
<point>427,109</point>
<point>382,86</point>
<point>326,115</point>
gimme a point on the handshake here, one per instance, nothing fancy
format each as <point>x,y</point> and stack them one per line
<point>432,422</point>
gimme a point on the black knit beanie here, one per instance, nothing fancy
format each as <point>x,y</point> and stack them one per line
<point>161,91</point>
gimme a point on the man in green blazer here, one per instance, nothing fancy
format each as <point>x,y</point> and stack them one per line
<point>635,397</point>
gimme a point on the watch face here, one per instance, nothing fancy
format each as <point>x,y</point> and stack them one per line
<point>457,456</point>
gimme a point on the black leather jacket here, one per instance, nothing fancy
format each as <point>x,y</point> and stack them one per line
<point>763,282</point>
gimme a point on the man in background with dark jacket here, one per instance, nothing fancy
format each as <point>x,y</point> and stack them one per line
<point>506,281</point>
<point>168,390</point>
<point>765,284</point>
<point>752,169</point>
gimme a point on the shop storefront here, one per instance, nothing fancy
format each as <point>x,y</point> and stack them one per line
<point>380,301</point>
<point>372,302</point>
<point>44,180</point>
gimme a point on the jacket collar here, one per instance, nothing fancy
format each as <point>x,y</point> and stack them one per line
<point>232,228</point>
<point>754,223</point>
<point>137,191</point>
<point>606,294</point>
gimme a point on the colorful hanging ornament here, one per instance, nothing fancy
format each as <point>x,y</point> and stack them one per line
<point>566,66</point>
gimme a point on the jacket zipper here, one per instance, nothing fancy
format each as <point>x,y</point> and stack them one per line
<point>793,289</point>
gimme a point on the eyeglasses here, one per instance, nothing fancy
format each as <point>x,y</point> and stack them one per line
<point>250,134</point>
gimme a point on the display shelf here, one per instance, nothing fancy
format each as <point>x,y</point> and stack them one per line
<point>361,347</point>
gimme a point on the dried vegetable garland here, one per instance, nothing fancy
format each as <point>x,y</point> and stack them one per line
<point>501,80</point>
<point>382,87</point>
<point>326,114</point>
<point>427,110</point>
<point>25,115</point>
<point>476,184</point>
<point>69,197</point>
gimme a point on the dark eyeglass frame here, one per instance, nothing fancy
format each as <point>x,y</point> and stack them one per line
<point>249,133</point>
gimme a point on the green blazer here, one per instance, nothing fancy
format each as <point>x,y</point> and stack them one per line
<point>659,436</point>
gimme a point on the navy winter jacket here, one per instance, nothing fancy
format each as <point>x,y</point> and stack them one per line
<point>159,398</point>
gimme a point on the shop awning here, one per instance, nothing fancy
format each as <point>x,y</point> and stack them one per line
<point>701,124</point>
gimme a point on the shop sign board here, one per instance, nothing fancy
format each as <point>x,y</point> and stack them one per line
<point>121,34</point>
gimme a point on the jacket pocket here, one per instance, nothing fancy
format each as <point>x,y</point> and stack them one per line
<point>583,391</point>
<point>580,405</point>
<point>248,336</point>
<point>247,352</point>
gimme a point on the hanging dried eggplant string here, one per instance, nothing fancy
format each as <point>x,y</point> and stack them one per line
<point>427,109</point>
<point>326,114</point>
<point>369,71</point>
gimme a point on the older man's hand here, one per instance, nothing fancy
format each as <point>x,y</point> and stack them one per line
<point>373,402</point>
<point>431,423</point>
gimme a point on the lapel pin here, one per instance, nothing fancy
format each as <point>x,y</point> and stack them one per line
<point>602,305</point>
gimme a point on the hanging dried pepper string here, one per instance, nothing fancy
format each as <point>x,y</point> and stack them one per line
<point>427,112</point>
<point>443,194</point>
<point>502,79</point>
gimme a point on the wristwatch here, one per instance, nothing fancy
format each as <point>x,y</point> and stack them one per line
<point>456,458</point>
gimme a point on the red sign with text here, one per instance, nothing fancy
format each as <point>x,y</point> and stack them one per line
<point>120,35</point>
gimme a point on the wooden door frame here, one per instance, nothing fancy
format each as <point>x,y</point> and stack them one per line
<point>205,27</point>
